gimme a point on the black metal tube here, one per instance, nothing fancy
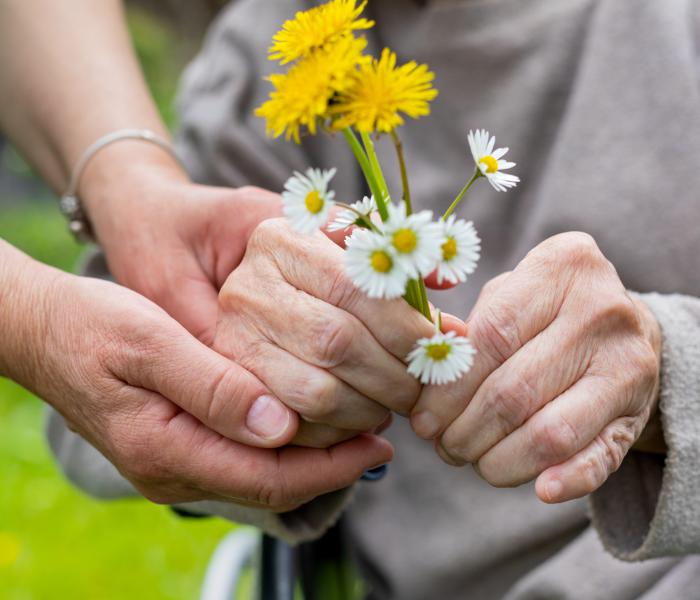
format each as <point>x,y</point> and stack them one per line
<point>278,570</point>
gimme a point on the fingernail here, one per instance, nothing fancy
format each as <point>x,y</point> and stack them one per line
<point>425,424</point>
<point>554,489</point>
<point>268,417</point>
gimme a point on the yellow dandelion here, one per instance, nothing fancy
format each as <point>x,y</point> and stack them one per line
<point>301,97</point>
<point>312,29</point>
<point>381,91</point>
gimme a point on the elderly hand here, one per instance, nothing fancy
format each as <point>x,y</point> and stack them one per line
<point>290,315</point>
<point>180,421</point>
<point>565,379</point>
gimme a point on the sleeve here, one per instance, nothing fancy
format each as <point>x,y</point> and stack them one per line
<point>651,506</point>
<point>85,467</point>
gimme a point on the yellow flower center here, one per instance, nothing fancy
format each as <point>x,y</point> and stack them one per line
<point>438,351</point>
<point>449,249</point>
<point>490,162</point>
<point>381,261</point>
<point>405,240</point>
<point>314,202</point>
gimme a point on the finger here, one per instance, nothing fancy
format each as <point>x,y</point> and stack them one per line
<point>317,435</point>
<point>562,428</point>
<point>274,478</point>
<point>331,339</point>
<point>313,392</point>
<point>221,394</point>
<point>510,311</point>
<point>542,369</point>
<point>338,236</point>
<point>587,470</point>
<point>450,323</point>
<point>316,266</point>
<point>431,281</point>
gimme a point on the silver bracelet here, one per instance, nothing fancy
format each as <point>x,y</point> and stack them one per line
<point>70,204</point>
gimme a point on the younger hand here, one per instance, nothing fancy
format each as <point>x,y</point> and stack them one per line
<point>180,421</point>
<point>565,379</point>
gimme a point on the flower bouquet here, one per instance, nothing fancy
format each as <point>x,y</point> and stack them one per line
<point>332,86</point>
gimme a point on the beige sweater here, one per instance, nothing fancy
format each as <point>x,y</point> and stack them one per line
<point>599,101</point>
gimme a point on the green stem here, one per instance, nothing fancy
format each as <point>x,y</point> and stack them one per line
<point>404,174</point>
<point>425,304</point>
<point>456,201</point>
<point>368,172</point>
<point>374,162</point>
<point>421,294</point>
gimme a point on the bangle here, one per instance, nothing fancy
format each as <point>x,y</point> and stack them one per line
<point>70,204</point>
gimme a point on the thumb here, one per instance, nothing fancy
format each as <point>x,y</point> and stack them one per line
<point>217,391</point>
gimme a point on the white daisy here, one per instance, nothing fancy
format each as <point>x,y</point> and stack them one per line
<point>346,218</point>
<point>440,359</point>
<point>371,265</point>
<point>489,162</point>
<point>461,249</point>
<point>416,240</point>
<point>307,199</point>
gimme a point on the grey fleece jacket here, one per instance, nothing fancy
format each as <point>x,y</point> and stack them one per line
<point>600,104</point>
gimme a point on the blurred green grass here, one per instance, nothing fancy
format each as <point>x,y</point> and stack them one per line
<point>56,543</point>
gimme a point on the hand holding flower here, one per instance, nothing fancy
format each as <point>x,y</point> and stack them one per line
<point>565,380</point>
<point>291,315</point>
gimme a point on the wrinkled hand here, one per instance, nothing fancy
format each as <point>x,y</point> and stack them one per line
<point>291,316</point>
<point>163,407</point>
<point>565,379</point>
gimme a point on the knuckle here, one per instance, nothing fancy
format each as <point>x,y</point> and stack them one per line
<point>333,342</point>
<point>575,250</point>
<point>493,475</point>
<point>341,290</point>
<point>266,232</point>
<point>592,472</point>
<point>578,247</point>
<point>320,398</point>
<point>555,441</point>
<point>495,332</point>
<point>225,390</point>
<point>617,441</point>
<point>272,492</point>
<point>511,402</point>
<point>449,452</point>
<point>609,450</point>
<point>617,314</point>
<point>233,293</point>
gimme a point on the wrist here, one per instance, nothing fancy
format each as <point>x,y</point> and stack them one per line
<point>121,184</point>
<point>29,288</point>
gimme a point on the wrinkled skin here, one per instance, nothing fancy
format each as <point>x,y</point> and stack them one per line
<point>169,412</point>
<point>565,380</point>
<point>290,315</point>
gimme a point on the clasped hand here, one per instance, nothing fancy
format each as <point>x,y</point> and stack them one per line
<point>565,380</point>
